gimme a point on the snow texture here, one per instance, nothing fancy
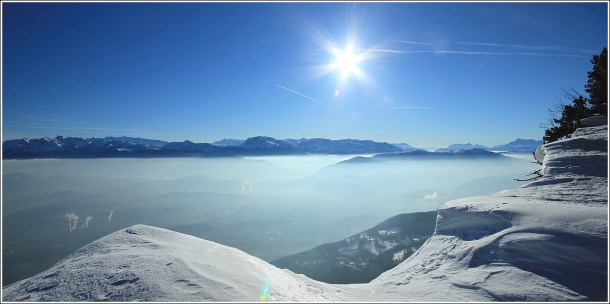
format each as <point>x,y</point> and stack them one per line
<point>146,263</point>
<point>546,241</point>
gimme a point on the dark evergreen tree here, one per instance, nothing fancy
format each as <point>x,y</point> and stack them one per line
<point>569,121</point>
<point>582,107</point>
<point>597,85</point>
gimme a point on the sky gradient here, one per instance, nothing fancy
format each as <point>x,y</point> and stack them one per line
<point>430,74</point>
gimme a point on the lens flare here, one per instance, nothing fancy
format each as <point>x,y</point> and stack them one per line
<point>265,293</point>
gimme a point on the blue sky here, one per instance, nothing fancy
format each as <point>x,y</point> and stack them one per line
<point>428,74</point>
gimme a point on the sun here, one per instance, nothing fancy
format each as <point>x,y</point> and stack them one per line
<point>346,62</point>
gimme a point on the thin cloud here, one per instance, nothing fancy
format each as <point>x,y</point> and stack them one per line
<point>386,51</point>
<point>533,47</point>
<point>73,109</point>
<point>56,126</point>
<point>293,91</point>
<point>67,127</point>
<point>431,196</point>
<point>63,128</point>
<point>86,223</point>
<point>494,53</point>
<point>527,50</point>
<point>414,42</point>
<point>72,220</point>
<point>487,53</point>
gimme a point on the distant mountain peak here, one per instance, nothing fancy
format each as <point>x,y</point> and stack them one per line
<point>228,142</point>
<point>404,147</point>
<point>263,142</point>
<point>457,147</point>
<point>520,145</point>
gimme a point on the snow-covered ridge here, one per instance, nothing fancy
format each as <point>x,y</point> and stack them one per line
<point>546,241</point>
<point>146,263</point>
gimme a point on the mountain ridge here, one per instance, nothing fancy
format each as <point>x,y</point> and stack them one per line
<point>414,155</point>
<point>75,147</point>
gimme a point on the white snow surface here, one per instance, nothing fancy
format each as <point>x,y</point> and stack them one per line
<point>545,241</point>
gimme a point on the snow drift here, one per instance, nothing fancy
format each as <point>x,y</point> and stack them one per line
<point>546,241</point>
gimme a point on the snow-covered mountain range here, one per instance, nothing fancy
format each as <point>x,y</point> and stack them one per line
<point>518,145</point>
<point>545,241</point>
<point>75,147</point>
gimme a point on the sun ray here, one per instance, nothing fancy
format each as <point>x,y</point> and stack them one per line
<point>345,58</point>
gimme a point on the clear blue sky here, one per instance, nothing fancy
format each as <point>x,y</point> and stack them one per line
<point>430,74</point>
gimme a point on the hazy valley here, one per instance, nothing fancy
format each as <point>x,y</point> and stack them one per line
<point>268,206</point>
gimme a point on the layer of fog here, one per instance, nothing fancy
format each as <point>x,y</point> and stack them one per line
<point>266,206</point>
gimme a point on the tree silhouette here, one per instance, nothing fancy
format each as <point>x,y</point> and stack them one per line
<point>581,107</point>
<point>597,85</point>
<point>569,121</point>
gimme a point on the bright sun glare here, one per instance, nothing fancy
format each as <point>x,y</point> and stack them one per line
<point>346,62</point>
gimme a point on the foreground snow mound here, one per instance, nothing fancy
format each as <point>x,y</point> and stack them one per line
<point>143,263</point>
<point>547,241</point>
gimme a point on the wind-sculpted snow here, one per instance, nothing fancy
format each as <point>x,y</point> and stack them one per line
<point>575,169</point>
<point>546,241</point>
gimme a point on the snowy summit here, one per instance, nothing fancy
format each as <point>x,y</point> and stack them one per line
<point>546,241</point>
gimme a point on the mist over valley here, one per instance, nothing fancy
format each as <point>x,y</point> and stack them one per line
<point>268,206</point>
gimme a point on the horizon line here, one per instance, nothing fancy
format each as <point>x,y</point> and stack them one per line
<point>284,139</point>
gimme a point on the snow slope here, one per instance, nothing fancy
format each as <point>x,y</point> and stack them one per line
<point>146,263</point>
<point>546,241</point>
